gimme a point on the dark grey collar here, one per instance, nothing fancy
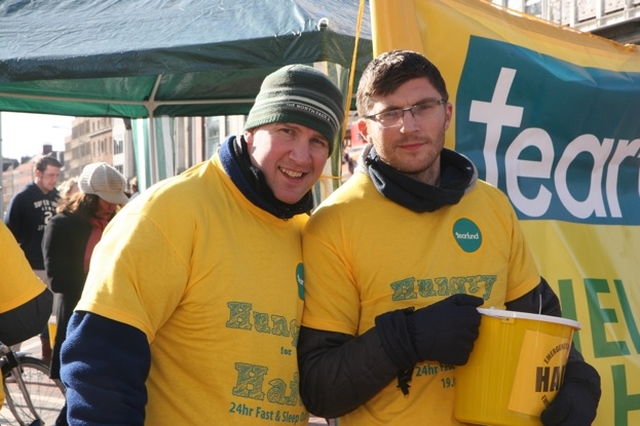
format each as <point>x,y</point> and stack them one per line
<point>457,176</point>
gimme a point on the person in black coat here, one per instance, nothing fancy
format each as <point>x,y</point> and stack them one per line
<point>71,235</point>
<point>69,239</point>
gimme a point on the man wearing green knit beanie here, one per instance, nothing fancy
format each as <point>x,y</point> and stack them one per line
<point>210,262</point>
<point>302,95</point>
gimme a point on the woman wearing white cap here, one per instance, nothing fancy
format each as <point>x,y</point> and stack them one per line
<point>69,239</point>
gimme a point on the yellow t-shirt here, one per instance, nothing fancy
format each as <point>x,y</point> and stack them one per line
<point>216,284</point>
<point>18,283</point>
<point>366,255</point>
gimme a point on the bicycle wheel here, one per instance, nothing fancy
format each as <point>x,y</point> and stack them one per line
<point>47,394</point>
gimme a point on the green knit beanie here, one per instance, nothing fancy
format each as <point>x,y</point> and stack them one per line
<point>302,95</point>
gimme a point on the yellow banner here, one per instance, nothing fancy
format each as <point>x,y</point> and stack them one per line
<point>550,116</point>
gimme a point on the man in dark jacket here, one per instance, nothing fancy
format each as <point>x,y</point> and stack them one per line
<point>27,215</point>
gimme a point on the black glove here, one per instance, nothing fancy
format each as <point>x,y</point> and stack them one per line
<point>577,400</point>
<point>444,332</point>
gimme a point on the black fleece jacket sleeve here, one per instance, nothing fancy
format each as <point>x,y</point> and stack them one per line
<point>26,320</point>
<point>541,300</point>
<point>339,372</point>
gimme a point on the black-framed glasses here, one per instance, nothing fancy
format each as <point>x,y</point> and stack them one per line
<point>395,117</point>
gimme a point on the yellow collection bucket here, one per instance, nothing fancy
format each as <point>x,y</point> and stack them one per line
<point>515,369</point>
<point>53,328</point>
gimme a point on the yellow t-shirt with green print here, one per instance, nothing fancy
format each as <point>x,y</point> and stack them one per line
<point>18,283</point>
<point>216,284</point>
<point>366,255</point>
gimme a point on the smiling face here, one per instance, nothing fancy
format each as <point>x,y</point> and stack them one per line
<point>414,146</point>
<point>290,156</point>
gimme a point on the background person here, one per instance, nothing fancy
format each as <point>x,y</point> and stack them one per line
<point>27,214</point>
<point>133,187</point>
<point>25,302</point>
<point>67,189</point>
<point>191,310</point>
<point>388,288</point>
<point>69,240</point>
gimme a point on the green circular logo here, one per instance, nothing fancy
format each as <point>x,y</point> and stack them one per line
<point>467,235</point>
<point>300,280</point>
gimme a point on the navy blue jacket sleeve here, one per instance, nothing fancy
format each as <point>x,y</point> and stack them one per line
<point>105,365</point>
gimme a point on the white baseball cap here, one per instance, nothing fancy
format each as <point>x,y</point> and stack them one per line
<point>104,181</point>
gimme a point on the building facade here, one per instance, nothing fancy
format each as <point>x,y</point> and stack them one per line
<point>617,20</point>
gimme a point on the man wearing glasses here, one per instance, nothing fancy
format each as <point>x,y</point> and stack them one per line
<point>398,259</point>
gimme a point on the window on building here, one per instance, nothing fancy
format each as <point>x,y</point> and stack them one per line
<point>118,146</point>
<point>533,7</point>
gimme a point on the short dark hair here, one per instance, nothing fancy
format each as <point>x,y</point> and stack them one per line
<point>47,160</point>
<point>390,70</point>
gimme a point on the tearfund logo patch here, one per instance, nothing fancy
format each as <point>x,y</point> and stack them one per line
<point>467,235</point>
<point>300,280</point>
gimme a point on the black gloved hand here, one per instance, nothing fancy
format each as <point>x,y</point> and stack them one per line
<point>444,332</point>
<point>577,400</point>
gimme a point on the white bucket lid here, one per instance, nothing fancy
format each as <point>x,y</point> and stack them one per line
<point>502,313</point>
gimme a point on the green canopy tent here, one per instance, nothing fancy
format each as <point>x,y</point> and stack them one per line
<point>150,58</point>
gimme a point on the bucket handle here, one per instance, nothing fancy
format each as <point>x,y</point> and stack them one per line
<point>540,305</point>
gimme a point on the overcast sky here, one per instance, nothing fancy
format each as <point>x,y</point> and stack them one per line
<point>25,134</point>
